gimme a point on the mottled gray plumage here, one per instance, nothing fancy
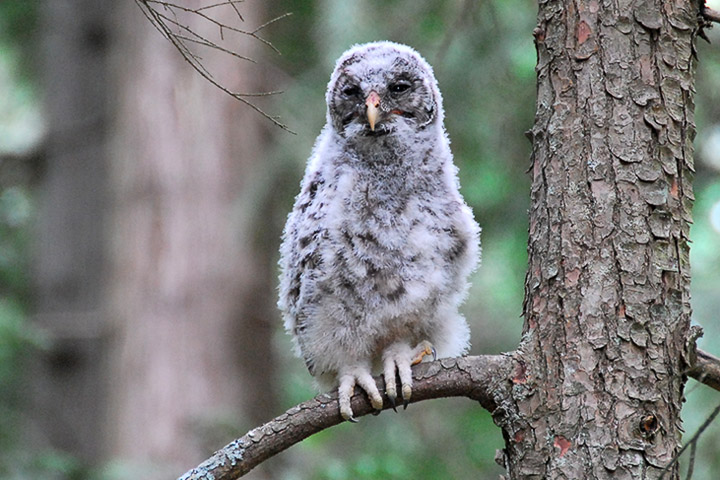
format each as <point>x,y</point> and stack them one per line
<point>378,248</point>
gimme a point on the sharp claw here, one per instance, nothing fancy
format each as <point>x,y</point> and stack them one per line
<point>406,393</point>
<point>405,404</point>
<point>352,420</point>
<point>392,403</point>
<point>434,353</point>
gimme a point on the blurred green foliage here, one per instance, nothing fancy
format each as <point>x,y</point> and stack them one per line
<point>20,119</point>
<point>17,337</point>
<point>20,129</point>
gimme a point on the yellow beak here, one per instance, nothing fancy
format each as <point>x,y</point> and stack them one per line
<point>373,108</point>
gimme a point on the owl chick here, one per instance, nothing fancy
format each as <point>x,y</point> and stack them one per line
<point>379,245</point>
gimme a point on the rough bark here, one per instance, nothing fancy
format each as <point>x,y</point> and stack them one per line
<point>607,307</point>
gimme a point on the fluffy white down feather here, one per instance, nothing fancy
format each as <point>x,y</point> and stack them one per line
<point>379,245</point>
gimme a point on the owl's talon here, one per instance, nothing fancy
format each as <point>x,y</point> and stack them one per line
<point>357,375</point>
<point>391,399</point>
<point>397,360</point>
<point>352,420</point>
<point>392,396</point>
<point>434,353</point>
<point>390,388</point>
<point>405,404</point>
<point>406,393</point>
<point>376,403</point>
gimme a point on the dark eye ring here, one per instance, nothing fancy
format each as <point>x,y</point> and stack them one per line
<point>351,90</point>
<point>399,87</point>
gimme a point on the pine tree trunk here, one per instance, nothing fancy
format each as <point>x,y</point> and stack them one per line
<point>607,307</point>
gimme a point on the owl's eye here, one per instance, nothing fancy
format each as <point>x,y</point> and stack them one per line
<point>351,91</point>
<point>399,87</point>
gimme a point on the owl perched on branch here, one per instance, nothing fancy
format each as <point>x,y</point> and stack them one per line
<point>378,248</point>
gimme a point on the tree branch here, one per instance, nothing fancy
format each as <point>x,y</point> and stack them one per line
<point>711,15</point>
<point>163,15</point>
<point>483,378</point>
<point>706,370</point>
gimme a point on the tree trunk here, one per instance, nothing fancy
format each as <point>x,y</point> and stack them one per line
<point>607,306</point>
<point>189,364</point>
<point>67,381</point>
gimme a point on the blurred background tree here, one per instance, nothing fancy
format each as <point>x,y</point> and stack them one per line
<point>148,207</point>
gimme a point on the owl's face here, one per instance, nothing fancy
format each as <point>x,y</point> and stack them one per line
<point>382,88</point>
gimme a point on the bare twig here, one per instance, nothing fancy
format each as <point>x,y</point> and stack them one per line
<point>691,463</point>
<point>205,43</point>
<point>163,15</point>
<point>483,378</point>
<point>706,370</point>
<point>270,22</point>
<point>691,443</point>
<point>174,7</point>
<point>229,2</point>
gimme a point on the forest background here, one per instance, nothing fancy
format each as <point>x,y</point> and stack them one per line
<point>484,60</point>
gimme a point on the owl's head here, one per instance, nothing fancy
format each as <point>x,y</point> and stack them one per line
<point>382,88</point>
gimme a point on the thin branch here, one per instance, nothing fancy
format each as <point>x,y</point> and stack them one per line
<point>206,43</point>
<point>234,7</point>
<point>270,22</point>
<point>485,379</point>
<point>180,35</point>
<point>228,2</point>
<point>691,443</point>
<point>706,370</point>
<point>196,11</point>
<point>691,463</point>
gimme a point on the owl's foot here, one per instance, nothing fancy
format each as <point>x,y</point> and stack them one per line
<point>398,359</point>
<point>358,375</point>
<point>423,349</point>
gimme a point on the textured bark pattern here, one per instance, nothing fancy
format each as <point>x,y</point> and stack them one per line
<point>607,307</point>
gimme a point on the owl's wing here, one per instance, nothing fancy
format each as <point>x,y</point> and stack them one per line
<point>300,260</point>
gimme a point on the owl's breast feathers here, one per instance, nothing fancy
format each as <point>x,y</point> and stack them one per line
<point>378,248</point>
<point>379,242</point>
